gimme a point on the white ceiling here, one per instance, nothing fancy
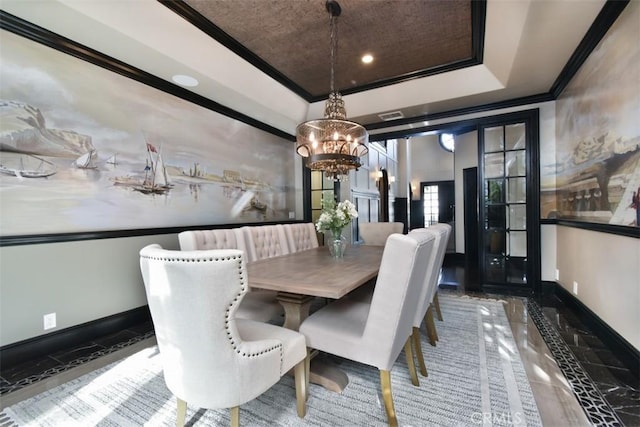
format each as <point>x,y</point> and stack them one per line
<point>527,44</point>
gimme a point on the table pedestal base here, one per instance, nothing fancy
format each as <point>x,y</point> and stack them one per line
<point>322,371</point>
<point>326,374</point>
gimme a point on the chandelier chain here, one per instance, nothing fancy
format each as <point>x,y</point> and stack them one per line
<point>333,49</point>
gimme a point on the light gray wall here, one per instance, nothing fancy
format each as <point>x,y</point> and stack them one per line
<point>607,270</point>
<point>429,161</point>
<point>79,281</point>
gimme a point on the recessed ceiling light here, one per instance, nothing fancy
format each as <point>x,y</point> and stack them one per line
<point>367,59</point>
<point>183,80</point>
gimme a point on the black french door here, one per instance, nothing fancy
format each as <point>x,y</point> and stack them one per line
<point>509,213</point>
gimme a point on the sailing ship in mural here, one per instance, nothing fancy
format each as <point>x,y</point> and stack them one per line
<point>86,160</point>
<point>155,179</point>
<point>113,160</point>
<point>29,166</point>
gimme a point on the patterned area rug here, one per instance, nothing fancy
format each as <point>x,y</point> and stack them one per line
<point>475,377</point>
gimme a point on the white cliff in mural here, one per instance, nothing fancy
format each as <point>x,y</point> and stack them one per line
<point>24,130</point>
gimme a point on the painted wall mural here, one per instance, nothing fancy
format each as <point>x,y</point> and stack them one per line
<point>597,170</point>
<point>86,149</point>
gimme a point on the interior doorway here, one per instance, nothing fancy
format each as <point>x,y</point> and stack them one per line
<point>471,241</point>
<point>438,205</point>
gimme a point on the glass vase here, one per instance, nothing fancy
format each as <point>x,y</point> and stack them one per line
<point>337,244</point>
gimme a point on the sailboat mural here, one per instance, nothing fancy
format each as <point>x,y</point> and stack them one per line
<point>113,160</point>
<point>156,180</point>
<point>86,161</point>
<point>29,166</point>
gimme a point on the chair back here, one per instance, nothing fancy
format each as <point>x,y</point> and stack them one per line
<point>440,234</point>
<point>265,241</point>
<point>301,237</point>
<point>193,297</point>
<point>443,242</point>
<point>198,240</point>
<point>376,233</point>
<point>395,298</point>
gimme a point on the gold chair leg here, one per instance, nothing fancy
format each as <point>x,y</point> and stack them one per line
<point>431,326</point>
<point>307,374</point>
<point>436,302</point>
<point>301,387</point>
<point>182,413</point>
<point>418,348</point>
<point>235,416</point>
<point>410,363</point>
<point>385,384</point>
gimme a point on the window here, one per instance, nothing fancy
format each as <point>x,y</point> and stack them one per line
<point>447,141</point>
<point>430,200</point>
<point>321,188</point>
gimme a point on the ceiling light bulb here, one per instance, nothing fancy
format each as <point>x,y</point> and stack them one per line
<point>367,59</point>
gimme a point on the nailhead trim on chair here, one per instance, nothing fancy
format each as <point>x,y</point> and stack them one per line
<point>243,286</point>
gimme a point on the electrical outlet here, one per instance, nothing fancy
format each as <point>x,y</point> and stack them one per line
<point>292,215</point>
<point>575,287</point>
<point>557,274</point>
<point>49,321</point>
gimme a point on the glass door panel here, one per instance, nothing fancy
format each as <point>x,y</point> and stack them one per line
<point>516,270</point>
<point>517,190</point>
<point>494,191</point>
<point>493,139</point>
<point>494,165</point>
<point>515,136</point>
<point>495,217</point>
<point>503,154</point>
<point>515,161</point>
<point>518,217</point>
<point>517,246</point>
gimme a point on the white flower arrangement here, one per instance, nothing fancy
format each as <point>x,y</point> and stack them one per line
<point>335,217</point>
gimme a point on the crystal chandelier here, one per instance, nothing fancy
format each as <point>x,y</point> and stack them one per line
<point>332,144</point>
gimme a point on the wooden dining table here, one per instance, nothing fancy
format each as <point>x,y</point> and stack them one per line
<point>300,277</point>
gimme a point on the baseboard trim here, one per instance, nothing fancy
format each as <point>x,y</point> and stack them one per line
<point>626,352</point>
<point>40,346</point>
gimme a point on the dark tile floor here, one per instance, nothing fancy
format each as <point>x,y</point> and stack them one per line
<point>607,376</point>
<point>19,375</point>
<point>618,384</point>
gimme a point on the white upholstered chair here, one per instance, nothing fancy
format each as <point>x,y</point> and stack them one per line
<point>301,236</point>
<point>445,234</point>
<point>265,241</point>
<point>211,358</point>
<point>375,333</point>
<point>376,233</point>
<point>257,305</point>
<point>429,295</point>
